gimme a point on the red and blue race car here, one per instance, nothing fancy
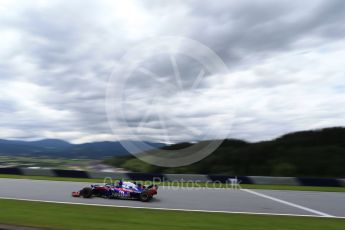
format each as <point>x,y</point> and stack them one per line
<point>121,190</point>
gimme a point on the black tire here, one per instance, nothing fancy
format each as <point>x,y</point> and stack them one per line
<point>86,192</point>
<point>145,196</point>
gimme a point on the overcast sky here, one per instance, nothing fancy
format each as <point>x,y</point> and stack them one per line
<point>285,62</point>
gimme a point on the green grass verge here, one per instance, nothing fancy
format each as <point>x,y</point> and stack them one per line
<point>79,217</point>
<point>248,186</point>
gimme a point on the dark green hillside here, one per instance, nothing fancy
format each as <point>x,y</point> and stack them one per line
<point>317,153</point>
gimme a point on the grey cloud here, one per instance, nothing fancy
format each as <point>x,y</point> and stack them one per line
<point>255,28</point>
<point>72,50</point>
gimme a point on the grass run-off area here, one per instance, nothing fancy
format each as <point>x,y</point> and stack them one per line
<point>74,217</point>
<point>186,184</point>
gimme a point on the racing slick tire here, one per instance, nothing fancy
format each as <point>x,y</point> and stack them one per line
<point>86,192</point>
<point>145,196</point>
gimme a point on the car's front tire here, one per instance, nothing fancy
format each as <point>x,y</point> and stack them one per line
<point>86,192</point>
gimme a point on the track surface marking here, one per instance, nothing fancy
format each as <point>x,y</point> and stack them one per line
<point>288,203</point>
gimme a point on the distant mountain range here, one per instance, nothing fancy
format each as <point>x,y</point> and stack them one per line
<point>59,148</point>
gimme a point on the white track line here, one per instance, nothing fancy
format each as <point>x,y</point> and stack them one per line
<point>170,209</point>
<point>288,203</point>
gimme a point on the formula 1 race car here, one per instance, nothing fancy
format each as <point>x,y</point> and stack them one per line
<point>121,190</point>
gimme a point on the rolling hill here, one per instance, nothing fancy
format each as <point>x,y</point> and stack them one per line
<point>59,148</point>
<point>314,153</point>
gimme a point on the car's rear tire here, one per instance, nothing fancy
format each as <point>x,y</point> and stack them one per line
<point>86,192</point>
<point>145,196</point>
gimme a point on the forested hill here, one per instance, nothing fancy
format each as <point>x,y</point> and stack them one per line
<point>315,153</point>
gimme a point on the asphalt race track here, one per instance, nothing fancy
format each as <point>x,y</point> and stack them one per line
<point>323,204</point>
